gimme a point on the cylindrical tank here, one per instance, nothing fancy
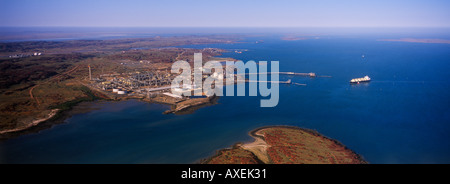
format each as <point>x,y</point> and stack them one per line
<point>115,90</point>
<point>121,92</point>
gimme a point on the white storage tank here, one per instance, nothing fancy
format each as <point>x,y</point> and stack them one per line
<point>115,90</point>
<point>121,92</point>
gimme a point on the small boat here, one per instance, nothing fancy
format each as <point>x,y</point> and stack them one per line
<point>359,80</point>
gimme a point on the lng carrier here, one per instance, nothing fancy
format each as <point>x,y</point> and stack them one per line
<point>358,80</point>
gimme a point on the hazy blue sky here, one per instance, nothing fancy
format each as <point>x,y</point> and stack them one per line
<point>231,13</point>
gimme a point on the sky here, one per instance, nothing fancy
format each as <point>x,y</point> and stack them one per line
<point>230,13</point>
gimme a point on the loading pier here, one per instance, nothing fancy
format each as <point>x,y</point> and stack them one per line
<point>311,74</point>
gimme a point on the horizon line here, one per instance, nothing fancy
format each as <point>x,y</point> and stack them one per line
<point>224,26</point>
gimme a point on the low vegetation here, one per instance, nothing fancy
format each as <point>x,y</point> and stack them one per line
<point>291,145</point>
<point>235,155</point>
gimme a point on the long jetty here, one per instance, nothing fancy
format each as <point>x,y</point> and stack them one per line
<point>311,74</point>
<point>280,82</point>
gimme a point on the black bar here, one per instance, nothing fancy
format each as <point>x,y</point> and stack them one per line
<point>170,173</point>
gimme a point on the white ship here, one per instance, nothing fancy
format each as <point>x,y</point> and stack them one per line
<point>359,80</point>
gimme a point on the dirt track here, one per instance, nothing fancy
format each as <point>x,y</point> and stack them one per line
<point>258,147</point>
<point>51,78</point>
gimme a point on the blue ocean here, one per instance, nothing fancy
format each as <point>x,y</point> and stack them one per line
<point>401,116</point>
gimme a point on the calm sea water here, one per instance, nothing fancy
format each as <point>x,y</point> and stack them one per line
<point>402,116</point>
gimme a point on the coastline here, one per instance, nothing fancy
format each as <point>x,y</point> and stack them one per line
<point>50,115</point>
<point>58,118</point>
<point>57,115</point>
<point>314,132</point>
<point>259,147</point>
<point>61,112</point>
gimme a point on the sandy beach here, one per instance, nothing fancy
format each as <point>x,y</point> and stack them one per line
<point>258,147</point>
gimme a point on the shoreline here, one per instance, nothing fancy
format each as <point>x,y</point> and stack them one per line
<point>57,118</point>
<point>313,132</point>
<point>59,115</point>
<point>50,115</point>
<point>258,147</point>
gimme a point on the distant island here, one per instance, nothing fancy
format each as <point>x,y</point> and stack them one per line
<point>286,145</point>
<point>293,38</point>
<point>417,40</point>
